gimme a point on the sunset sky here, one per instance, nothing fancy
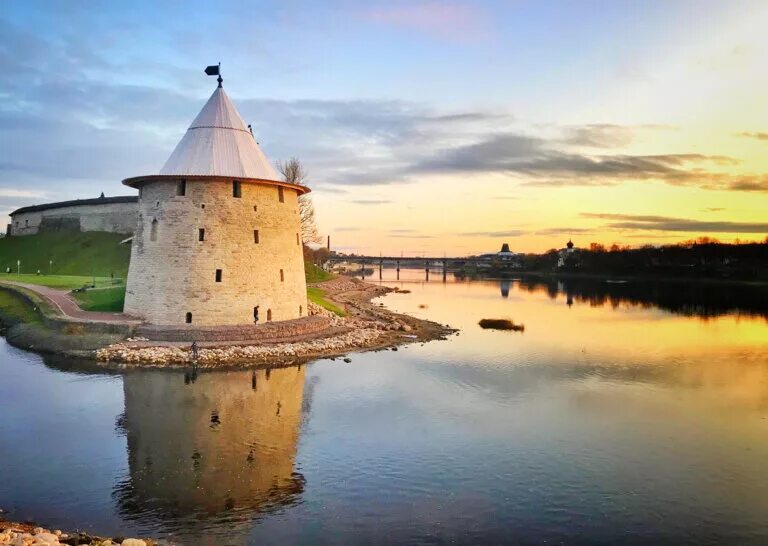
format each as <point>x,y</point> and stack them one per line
<point>426,127</point>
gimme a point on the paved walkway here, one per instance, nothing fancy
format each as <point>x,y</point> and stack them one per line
<point>61,300</point>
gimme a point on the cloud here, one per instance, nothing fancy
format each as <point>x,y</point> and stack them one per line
<point>445,20</point>
<point>348,228</point>
<point>666,223</point>
<point>12,192</point>
<point>754,183</point>
<point>599,135</point>
<point>564,231</point>
<point>507,233</point>
<point>371,201</point>
<point>713,209</point>
<point>538,162</point>
<point>758,136</point>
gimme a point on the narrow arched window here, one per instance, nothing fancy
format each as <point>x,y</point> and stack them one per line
<point>181,187</point>
<point>282,275</point>
<point>237,189</point>
<point>153,230</point>
<point>189,318</point>
<point>280,194</point>
<point>297,238</point>
<point>269,314</point>
<point>301,309</point>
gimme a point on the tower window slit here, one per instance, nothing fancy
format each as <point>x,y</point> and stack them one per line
<point>297,239</point>
<point>153,230</point>
<point>201,234</point>
<point>237,189</point>
<point>256,236</point>
<point>218,275</point>
<point>280,194</point>
<point>282,275</point>
<point>181,187</point>
<point>269,314</point>
<point>188,318</point>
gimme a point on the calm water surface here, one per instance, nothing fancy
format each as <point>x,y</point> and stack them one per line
<point>623,413</point>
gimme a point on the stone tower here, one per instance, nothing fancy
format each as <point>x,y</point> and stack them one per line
<point>218,235</point>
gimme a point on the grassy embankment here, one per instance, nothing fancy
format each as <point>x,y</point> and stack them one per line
<point>317,295</point>
<point>14,309</point>
<point>69,261</point>
<point>74,260</point>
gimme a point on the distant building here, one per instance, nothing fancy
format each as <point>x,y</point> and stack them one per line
<point>568,257</point>
<point>112,214</point>
<point>504,257</point>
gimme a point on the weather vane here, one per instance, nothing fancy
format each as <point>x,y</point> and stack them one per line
<point>215,70</point>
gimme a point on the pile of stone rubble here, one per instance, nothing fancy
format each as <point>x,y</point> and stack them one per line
<point>162,355</point>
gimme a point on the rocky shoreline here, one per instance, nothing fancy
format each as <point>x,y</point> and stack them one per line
<point>367,326</point>
<point>26,534</point>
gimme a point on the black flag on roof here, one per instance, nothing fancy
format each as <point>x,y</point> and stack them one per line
<point>212,70</point>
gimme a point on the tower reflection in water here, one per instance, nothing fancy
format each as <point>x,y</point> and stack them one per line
<point>210,447</point>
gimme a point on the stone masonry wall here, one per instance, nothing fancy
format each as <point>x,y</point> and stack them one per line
<point>112,217</point>
<point>268,332</point>
<point>175,274</point>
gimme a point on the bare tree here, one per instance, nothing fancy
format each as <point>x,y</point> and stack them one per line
<point>293,172</point>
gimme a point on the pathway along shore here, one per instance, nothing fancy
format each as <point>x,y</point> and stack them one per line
<point>366,326</point>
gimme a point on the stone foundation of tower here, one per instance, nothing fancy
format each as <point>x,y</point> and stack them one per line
<point>208,257</point>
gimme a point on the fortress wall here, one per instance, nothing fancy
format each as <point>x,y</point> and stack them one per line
<point>175,273</point>
<point>111,217</point>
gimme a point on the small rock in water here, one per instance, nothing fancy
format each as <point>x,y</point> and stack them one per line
<point>347,360</point>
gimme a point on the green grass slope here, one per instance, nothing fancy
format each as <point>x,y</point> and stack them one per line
<point>317,295</point>
<point>86,254</point>
<point>102,299</point>
<point>316,274</point>
<point>15,309</point>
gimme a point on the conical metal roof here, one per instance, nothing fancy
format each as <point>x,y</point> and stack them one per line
<point>218,143</point>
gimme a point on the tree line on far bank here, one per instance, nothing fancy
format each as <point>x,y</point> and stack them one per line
<point>702,257</point>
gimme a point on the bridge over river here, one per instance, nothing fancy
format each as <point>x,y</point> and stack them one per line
<point>440,264</point>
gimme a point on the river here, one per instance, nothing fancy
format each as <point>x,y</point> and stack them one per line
<point>624,412</point>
